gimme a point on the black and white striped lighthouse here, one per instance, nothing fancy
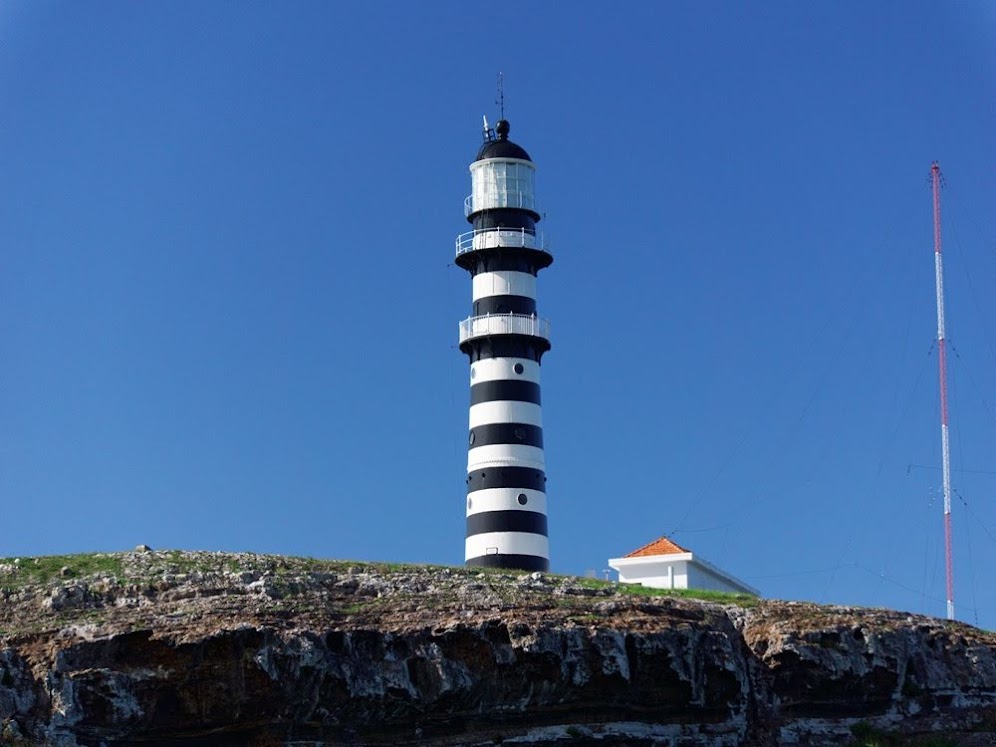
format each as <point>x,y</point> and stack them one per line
<point>505,340</point>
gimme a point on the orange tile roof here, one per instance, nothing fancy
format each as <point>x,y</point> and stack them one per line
<point>662,546</point>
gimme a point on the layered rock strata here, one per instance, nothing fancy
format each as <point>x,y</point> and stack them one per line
<point>171,648</point>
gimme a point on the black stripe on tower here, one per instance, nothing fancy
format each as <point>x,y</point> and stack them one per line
<point>531,522</point>
<point>509,219</point>
<point>506,433</point>
<point>505,346</point>
<point>505,305</point>
<point>518,562</point>
<point>505,389</point>
<point>506,477</point>
<point>507,258</point>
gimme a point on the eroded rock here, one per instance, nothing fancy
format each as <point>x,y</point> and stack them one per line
<point>233,649</point>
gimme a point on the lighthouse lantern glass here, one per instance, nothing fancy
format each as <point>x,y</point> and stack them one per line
<point>499,183</point>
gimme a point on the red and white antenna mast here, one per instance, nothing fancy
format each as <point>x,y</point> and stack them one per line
<point>935,182</point>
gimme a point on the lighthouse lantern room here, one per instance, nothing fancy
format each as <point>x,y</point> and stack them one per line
<point>504,340</point>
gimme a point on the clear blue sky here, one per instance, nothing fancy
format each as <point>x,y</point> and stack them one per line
<point>228,313</point>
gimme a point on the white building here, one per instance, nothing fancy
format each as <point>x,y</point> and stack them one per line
<point>662,564</point>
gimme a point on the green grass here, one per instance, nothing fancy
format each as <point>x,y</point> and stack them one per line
<point>141,567</point>
<point>33,570</point>
<point>720,597</point>
<point>43,569</point>
<point>353,609</point>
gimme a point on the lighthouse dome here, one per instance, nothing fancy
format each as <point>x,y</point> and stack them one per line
<point>502,147</point>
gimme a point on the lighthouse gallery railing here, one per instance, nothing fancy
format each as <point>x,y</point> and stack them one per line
<point>504,324</point>
<point>494,238</point>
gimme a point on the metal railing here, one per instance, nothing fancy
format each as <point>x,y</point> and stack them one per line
<point>504,324</point>
<point>493,238</point>
<point>492,201</point>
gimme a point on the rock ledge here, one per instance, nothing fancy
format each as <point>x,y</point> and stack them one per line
<point>192,648</point>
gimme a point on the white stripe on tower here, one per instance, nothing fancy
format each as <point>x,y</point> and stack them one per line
<point>493,369</point>
<point>504,283</point>
<point>506,412</point>
<point>506,499</point>
<point>505,455</point>
<point>506,470</point>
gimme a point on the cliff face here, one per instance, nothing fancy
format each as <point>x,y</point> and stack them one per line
<point>219,649</point>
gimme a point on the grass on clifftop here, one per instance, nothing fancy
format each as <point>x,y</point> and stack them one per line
<point>719,597</point>
<point>140,565</point>
<point>40,570</point>
<point>124,566</point>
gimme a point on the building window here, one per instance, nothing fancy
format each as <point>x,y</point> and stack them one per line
<point>522,499</point>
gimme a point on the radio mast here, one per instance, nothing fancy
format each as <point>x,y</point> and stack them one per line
<point>935,182</point>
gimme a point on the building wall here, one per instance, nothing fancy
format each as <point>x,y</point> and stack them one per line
<point>702,578</point>
<point>684,575</point>
<point>656,575</point>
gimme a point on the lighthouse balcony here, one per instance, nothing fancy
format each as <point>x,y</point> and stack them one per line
<point>499,238</point>
<point>504,324</point>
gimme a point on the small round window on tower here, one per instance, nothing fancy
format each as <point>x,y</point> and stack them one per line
<point>522,499</point>
<point>472,438</point>
<point>470,503</point>
<point>520,433</point>
<point>473,372</point>
<point>518,368</point>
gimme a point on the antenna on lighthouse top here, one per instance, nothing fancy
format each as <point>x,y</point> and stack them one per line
<point>502,125</point>
<point>500,99</point>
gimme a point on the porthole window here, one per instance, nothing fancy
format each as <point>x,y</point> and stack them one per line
<point>523,499</point>
<point>472,438</point>
<point>520,433</point>
<point>518,368</point>
<point>473,373</point>
<point>470,503</point>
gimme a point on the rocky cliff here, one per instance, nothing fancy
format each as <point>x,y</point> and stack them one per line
<point>176,648</point>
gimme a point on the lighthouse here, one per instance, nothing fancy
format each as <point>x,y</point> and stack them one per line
<point>504,339</point>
